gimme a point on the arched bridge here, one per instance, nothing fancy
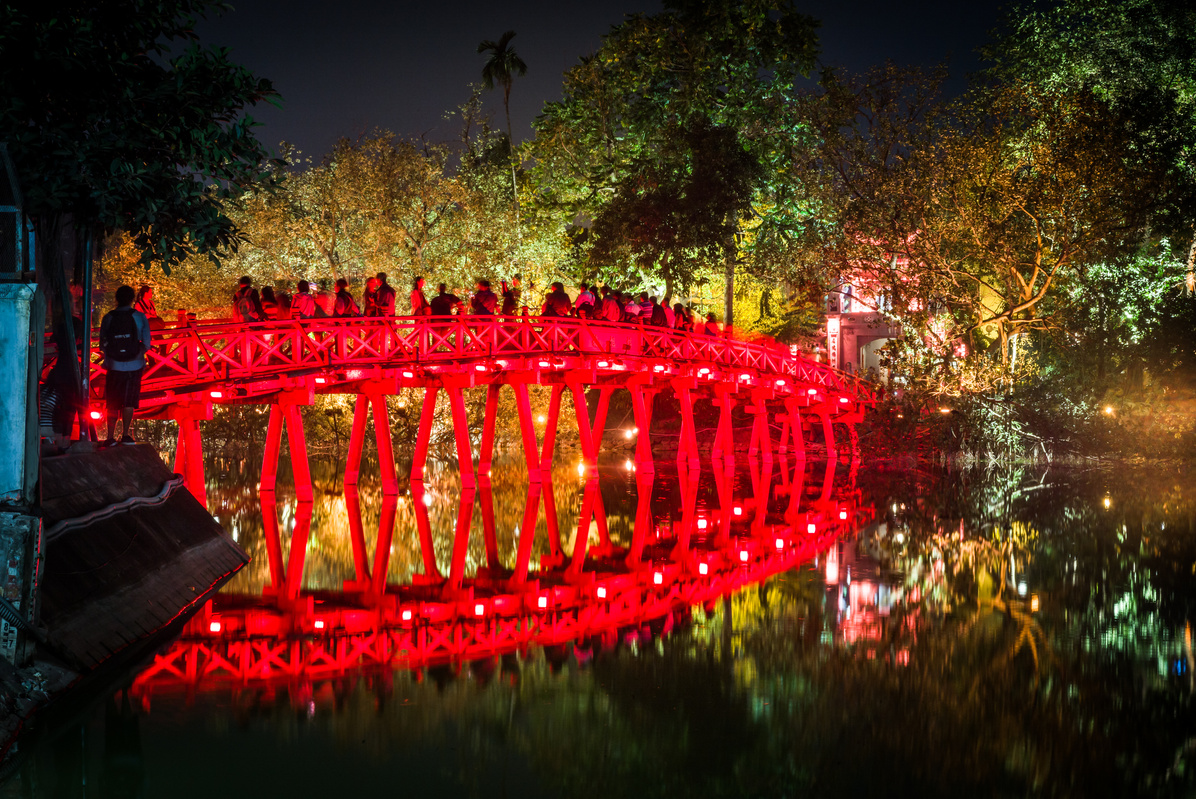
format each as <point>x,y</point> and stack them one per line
<point>286,363</point>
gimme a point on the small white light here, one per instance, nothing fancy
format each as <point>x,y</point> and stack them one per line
<point>542,602</point>
<point>215,627</point>
<point>541,418</point>
<point>738,511</point>
<point>604,364</point>
<point>1021,589</point>
<point>844,400</point>
<point>657,578</point>
<point>319,625</point>
<point>601,592</point>
<point>780,543</point>
<point>481,367</point>
<point>780,382</point>
<point>545,364</point>
<point>216,394</point>
<point>96,416</point>
<point>629,465</point>
<point>701,524</point>
<point>427,500</point>
<point>743,555</point>
<point>811,391</point>
<point>408,374</point>
<point>810,528</point>
<point>627,434</point>
<point>842,515</point>
<point>321,381</point>
<point>703,568</point>
<point>479,609</point>
<point>406,615</point>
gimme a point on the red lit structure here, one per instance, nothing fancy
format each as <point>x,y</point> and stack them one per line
<point>292,637</point>
<point>286,363</point>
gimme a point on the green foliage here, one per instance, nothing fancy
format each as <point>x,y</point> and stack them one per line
<point>116,116</point>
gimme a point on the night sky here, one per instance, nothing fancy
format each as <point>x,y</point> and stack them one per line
<point>348,67</point>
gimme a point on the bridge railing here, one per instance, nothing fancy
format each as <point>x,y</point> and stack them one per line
<point>202,353</point>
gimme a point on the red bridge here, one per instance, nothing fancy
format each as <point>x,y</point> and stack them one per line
<point>286,363</point>
<point>691,556</point>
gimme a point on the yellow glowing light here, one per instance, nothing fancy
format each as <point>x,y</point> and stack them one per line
<point>1109,410</point>
<point>944,410</point>
<point>581,469</point>
<point>1033,603</point>
<point>627,434</point>
<point>1108,503</point>
<point>541,419</point>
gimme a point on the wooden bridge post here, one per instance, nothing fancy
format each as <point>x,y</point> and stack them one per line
<point>285,411</point>
<point>386,529</point>
<point>585,433</point>
<point>461,433</point>
<point>361,559</point>
<point>793,414</point>
<point>828,433</point>
<point>642,400</point>
<point>372,397</point>
<point>724,442</point>
<point>460,543</point>
<point>527,534</point>
<point>599,427</point>
<point>486,452</point>
<point>531,447</point>
<point>426,416</point>
<point>423,525</point>
<point>188,450</point>
<point>687,444</point>
<point>550,423</point>
<point>761,434</point>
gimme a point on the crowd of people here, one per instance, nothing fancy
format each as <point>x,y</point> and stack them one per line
<point>600,303</point>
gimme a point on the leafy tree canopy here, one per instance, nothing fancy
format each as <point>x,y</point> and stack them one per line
<point>116,116</point>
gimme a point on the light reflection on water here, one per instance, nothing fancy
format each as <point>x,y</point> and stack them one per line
<point>1001,632</point>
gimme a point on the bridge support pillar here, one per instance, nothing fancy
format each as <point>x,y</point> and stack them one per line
<point>687,444</point>
<point>285,410</point>
<point>585,433</point>
<point>461,433</point>
<point>793,428</point>
<point>642,401</point>
<point>531,450</point>
<point>550,423</point>
<point>599,427</point>
<point>386,457</point>
<point>188,450</point>
<point>426,416</point>
<point>486,453</point>
<point>761,434</point>
<point>828,434</point>
<point>724,442</point>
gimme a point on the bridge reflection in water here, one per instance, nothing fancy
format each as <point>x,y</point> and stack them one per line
<point>436,576</point>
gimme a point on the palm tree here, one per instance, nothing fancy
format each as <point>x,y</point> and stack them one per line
<point>501,68</point>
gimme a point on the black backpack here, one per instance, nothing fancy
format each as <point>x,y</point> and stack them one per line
<point>123,343</point>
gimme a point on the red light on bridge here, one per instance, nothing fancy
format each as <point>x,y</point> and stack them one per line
<point>96,416</point>
<point>601,592</point>
<point>811,391</point>
<point>701,524</point>
<point>542,602</point>
<point>406,615</point>
<point>216,394</point>
<point>321,381</point>
<point>703,568</point>
<point>738,511</point>
<point>658,367</point>
<point>810,528</point>
<point>780,543</point>
<point>479,609</point>
<point>743,555</point>
<point>604,364</point>
<point>844,400</point>
<point>657,578</point>
<point>319,625</point>
<point>545,365</point>
<point>842,515</point>
<point>745,377</point>
<point>703,372</point>
<point>408,374</point>
<point>215,626</point>
<point>481,367</point>
<point>780,382</point>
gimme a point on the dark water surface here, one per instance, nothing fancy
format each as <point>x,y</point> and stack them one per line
<point>856,631</point>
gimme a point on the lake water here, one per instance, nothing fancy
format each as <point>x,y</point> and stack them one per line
<point>811,630</point>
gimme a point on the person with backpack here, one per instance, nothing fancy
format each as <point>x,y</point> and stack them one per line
<point>124,340</point>
<point>303,304</point>
<point>247,305</point>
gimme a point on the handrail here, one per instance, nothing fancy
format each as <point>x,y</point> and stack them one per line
<point>206,352</point>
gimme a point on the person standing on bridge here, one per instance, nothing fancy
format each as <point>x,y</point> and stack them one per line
<point>484,300</point>
<point>303,305</point>
<point>346,306</point>
<point>557,302</point>
<point>124,340</point>
<point>584,297</point>
<point>443,303</point>
<point>419,303</point>
<point>386,296</point>
<point>369,297</point>
<point>247,305</point>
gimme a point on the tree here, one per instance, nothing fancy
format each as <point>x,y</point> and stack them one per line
<point>501,68</point>
<point>731,64</point>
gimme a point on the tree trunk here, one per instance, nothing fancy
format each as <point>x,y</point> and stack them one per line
<point>729,297</point>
